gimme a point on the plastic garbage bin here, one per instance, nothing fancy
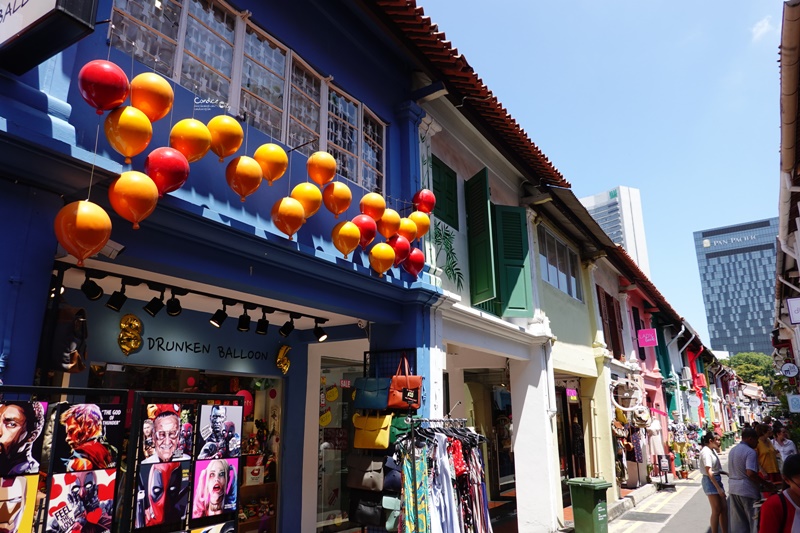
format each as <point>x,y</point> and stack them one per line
<point>589,505</point>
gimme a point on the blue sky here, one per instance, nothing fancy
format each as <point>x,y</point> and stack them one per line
<point>678,99</point>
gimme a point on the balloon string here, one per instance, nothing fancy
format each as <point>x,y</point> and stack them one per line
<point>94,160</point>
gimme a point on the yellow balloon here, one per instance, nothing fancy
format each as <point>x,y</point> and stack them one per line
<point>345,237</point>
<point>321,167</point>
<point>381,258</point>
<point>422,221</point>
<point>373,205</point>
<point>389,223</point>
<point>408,229</point>
<point>309,195</point>
<point>152,95</point>
<point>288,215</point>
<point>191,138</point>
<point>243,175</point>
<point>128,130</point>
<point>227,135</point>
<point>273,161</point>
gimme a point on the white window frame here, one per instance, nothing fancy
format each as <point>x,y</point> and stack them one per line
<point>571,254</point>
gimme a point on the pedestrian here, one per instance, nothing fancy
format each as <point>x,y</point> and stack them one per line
<point>767,455</point>
<point>743,483</point>
<point>712,481</point>
<point>782,443</point>
<point>779,514</point>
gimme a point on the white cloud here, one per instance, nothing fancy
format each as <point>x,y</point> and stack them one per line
<point>762,28</point>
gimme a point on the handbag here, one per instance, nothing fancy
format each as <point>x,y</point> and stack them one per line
<point>372,432</point>
<point>641,417</point>
<point>372,393</point>
<point>392,504</point>
<point>392,480</point>
<point>364,472</point>
<point>406,389</point>
<point>618,429</point>
<point>365,509</point>
<point>400,426</point>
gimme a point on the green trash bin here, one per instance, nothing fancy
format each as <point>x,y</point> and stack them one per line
<point>589,505</point>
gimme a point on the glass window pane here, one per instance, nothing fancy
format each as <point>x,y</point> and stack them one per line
<point>304,110</point>
<point>372,154</point>
<point>163,21</point>
<point>552,260</point>
<point>542,252</point>
<point>575,281</point>
<point>265,52</point>
<point>218,20</point>
<point>261,115</point>
<point>563,267</point>
<point>202,81</point>
<point>209,48</point>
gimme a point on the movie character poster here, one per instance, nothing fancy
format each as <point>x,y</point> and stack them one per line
<point>88,437</point>
<point>162,495</point>
<point>227,527</point>
<point>220,432</point>
<point>82,501</point>
<point>167,433</point>
<point>215,491</point>
<point>17,503</point>
<point>21,425</point>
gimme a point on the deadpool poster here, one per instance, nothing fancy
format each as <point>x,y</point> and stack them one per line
<point>82,501</point>
<point>162,496</point>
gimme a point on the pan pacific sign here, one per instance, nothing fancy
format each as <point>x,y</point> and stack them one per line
<point>710,243</point>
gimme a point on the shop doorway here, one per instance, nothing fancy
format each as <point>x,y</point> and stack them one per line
<point>569,428</point>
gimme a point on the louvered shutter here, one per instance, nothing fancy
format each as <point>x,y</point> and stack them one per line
<point>513,264</point>
<point>479,234</point>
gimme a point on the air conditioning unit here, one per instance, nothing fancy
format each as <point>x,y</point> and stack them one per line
<point>686,374</point>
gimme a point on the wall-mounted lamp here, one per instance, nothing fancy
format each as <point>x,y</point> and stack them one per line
<point>263,324</point>
<point>91,289</point>
<point>155,305</point>
<point>288,327</point>
<point>244,318</point>
<point>220,315</point>
<point>117,298</point>
<point>173,304</point>
<point>319,333</point>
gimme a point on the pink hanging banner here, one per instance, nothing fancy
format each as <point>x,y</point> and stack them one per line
<point>647,337</point>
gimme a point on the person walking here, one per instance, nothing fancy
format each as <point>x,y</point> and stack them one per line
<point>744,482</point>
<point>782,443</point>
<point>767,455</point>
<point>781,512</point>
<point>712,481</point>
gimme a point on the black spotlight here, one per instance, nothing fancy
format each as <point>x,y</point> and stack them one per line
<point>244,322</point>
<point>319,333</point>
<point>117,299</point>
<point>174,305</point>
<point>263,324</point>
<point>288,327</point>
<point>91,289</point>
<point>155,305</point>
<point>220,315</point>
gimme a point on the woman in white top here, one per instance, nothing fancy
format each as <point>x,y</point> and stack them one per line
<point>712,482</point>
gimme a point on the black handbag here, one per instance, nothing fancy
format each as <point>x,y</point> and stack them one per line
<point>392,482</point>
<point>366,508</point>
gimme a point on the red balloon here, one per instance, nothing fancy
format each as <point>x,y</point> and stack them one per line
<point>424,201</point>
<point>415,262</point>
<point>368,228</point>
<point>401,248</point>
<point>103,85</point>
<point>248,402</point>
<point>168,168</point>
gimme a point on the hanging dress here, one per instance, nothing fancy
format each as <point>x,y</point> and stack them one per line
<point>415,499</point>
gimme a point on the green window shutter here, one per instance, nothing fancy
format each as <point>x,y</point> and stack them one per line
<point>513,263</point>
<point>445,187</point>
<point>479,234</point>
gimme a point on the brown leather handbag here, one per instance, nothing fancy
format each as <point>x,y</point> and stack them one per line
<point>406,389</point>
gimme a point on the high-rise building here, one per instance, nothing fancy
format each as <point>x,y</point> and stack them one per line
<point>619,213</point>
<point>737,275</point>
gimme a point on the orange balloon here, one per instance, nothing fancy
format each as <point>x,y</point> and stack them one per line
<point>373,205</point>
<point>381,258</point>
<point>345,236</point>
<point>191,138</point>
<point>389,223</point>
<point>321,167</point>
<point>408,229</point>
<point>308,194</point>
<point>128,131</point>
<point>152,95</point>
<point>243,175</point>
<point>288,215</point>
<point>337,198</point>
<point>133,196</point>
<point>227,135</point>
<point>82,229</point>
<point>422,221</point>
<point>273,161</point>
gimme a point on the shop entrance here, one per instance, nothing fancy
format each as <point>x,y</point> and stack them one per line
<point>569,428</point>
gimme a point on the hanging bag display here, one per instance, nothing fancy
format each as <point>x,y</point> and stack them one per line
<point>365,472</point>
<point>392,504</point>
<point>641,417</point>
<point>365,509</point>
<point>400,426</point>
<point>406,389</point>
<point>392,480</point>
<point>372,432</point>
<point>618,429</point>
<point>372,393</point>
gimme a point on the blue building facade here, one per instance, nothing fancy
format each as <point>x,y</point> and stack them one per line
<point>305,75</point>
<point>737,273</point>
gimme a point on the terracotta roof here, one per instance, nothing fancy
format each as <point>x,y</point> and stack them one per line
<point>464,86</point>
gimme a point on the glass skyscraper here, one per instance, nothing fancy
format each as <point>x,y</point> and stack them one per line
<point>737,275</point>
